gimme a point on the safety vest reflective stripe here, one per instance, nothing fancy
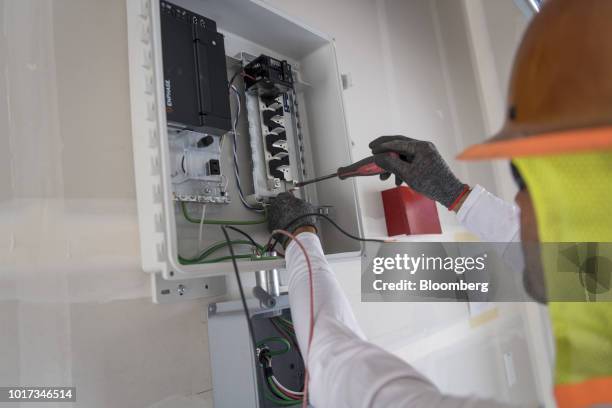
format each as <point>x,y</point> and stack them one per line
<point>584,394</point>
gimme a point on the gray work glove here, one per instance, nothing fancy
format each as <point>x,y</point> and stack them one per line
<point>419,165</point>
<point>286,208</point>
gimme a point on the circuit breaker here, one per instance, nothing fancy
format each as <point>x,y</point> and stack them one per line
<point>228,111</point>
<point>277,143</point>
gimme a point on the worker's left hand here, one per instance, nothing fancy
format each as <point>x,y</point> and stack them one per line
<point>286,208</point>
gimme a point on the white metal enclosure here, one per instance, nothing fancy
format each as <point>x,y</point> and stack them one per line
<point>250,27</point>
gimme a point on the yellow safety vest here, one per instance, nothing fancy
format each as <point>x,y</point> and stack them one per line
<point>572,197</point>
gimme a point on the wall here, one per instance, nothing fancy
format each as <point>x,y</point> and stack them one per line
<point>495,28</point>
<point>75,306</point>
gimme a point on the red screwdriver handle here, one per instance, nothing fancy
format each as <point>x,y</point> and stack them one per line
<point>364,167</point>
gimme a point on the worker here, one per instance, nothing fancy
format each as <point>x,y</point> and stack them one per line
<point>558,134</point>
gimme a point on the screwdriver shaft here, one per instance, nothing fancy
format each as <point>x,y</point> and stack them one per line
<point>315,180</point>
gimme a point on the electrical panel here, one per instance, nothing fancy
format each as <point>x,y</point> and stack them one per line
<point>275,129</point>
<point>228,111</point>
<point>275,138</point>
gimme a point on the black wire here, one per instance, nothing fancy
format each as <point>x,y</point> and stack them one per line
<point>231,81</point>
<point>289,336</point>
<point>242,297</point>
<point>271,244</point>
<point>244,234</point>
<point>266,376</point>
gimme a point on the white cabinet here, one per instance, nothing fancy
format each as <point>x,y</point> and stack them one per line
<point>250,28</point>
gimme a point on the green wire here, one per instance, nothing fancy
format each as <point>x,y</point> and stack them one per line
<point>214,248</point>
<point>289,335</point>
<point>277,401</point>
<point>202,258</point>
<point>286,325</point>
<point>209,250</point>
<point>278,340</point>
<point>229,257</point>
<point>216,260</point>
<point>286,401</point>
<point>221,222</point>
<point>287,322</point>
<point>278,392</point>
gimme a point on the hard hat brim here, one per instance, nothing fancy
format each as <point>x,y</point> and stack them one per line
<point>561,142</point>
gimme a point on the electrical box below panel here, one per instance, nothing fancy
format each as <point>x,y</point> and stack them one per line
<point>240,374</point>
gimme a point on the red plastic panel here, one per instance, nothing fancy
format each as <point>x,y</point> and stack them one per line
<point>408,212</point>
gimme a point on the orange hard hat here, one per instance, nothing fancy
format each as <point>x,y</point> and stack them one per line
<point>560,95</point>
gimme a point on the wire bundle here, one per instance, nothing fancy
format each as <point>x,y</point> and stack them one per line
<point>236,93</point>
<point>276,392</point>
<point>203,257</point>
<point>285,328</point>
<point>193,220</point>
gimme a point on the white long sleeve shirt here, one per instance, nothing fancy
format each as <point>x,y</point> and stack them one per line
<point>345,369</point>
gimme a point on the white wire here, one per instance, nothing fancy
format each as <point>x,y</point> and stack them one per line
<point>201,227</point>
<point>281,386</point>
<point>221,144</point>
<point>235,145</point>
<point>224,177</point>
<point>235,150</point>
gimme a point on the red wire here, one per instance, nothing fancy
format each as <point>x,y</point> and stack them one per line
<point>311,288</point>
<point>244,74</point>
<point>287,392</point>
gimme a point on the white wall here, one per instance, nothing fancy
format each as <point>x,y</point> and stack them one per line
<point>495,28</point>
<point>75,306</point>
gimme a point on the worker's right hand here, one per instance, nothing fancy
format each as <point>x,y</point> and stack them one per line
<point>419,165</point>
